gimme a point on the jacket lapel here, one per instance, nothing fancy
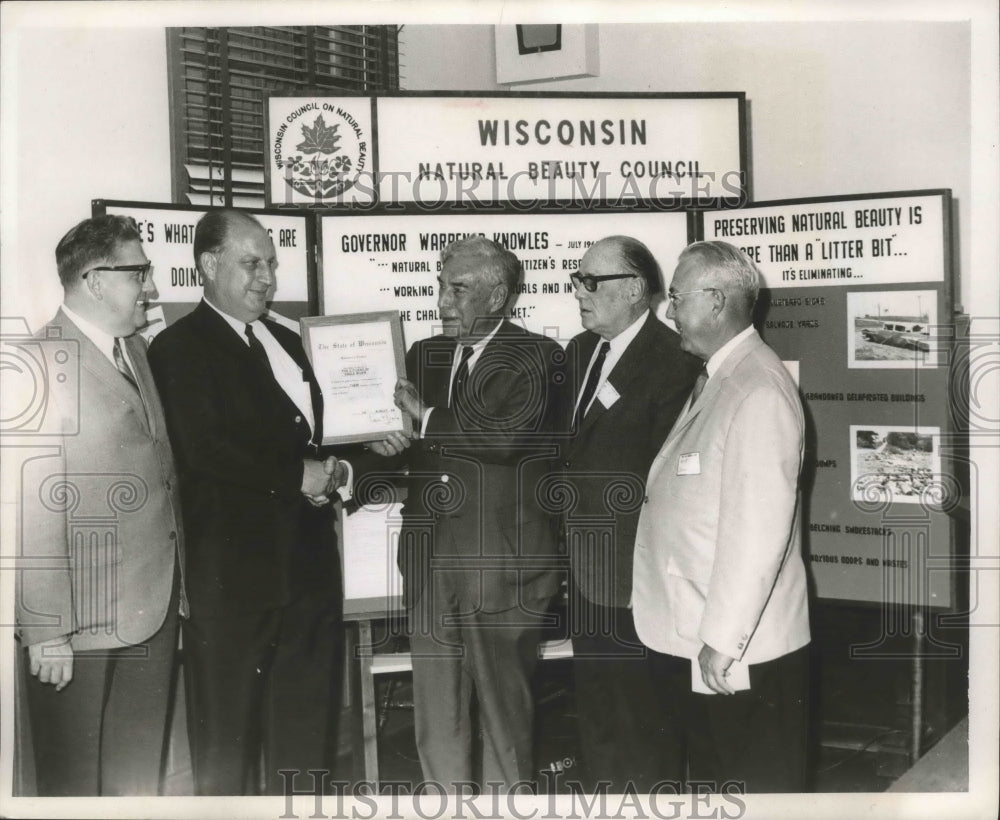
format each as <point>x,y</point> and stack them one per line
<point>298,354</point>
<point>715,384</point>
<point>633,363</point>
<point>96,363</point>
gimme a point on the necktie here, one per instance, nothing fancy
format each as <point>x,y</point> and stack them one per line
<point>591,386</point>
<point>122,364</point>
<point>461,374</point>
<point>257,349</point>
<point>699,385</point>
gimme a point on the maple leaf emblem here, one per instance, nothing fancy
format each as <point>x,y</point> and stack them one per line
<point>319,139</point>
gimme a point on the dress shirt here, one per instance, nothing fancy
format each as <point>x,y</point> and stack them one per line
<point>619,344</point>
<point>286,372</point>
<point>102,340</point>
<point>477,351</point>
<point>720,355</point>
<point>716,359</point>
<point>289,377</point>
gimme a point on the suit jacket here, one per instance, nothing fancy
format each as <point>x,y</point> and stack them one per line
<point>474,504</point>
<point>607,459</point>
<point>254,542</point>
<point>100,525</point>
<point>718,550</point>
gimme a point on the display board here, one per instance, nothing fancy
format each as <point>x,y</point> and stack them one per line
<point>475,149</point>
<point>391,262</point>
<point>859,293</point>
<point>167,233</point>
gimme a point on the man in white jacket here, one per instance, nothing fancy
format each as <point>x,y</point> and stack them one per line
<point>719,581</point>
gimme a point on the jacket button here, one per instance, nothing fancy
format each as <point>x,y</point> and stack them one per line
<point>173,535</point>
<point>565,464</point>
<point>444,479</point>
<point>645,499</point>
<point>298,419</point>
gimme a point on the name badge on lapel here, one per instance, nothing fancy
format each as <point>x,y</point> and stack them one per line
<point>689,464</point>
<point>607,395</point>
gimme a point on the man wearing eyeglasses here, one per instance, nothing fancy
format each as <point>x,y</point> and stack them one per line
<point>631,379</point>
<point>720,585</point>
<point>101,588</point>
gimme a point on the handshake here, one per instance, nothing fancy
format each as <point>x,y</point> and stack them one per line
<point>320,479</point>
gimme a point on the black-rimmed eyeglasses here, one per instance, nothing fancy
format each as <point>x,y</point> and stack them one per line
<point>141,271</point>
<point>590,282</point>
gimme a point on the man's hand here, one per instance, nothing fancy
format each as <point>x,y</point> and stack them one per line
<point>52,662</point>
<point>317,480</point>
<point>392,445</point>
<point>338,474</point>
<point>408,400</point>
<point>714,666</point>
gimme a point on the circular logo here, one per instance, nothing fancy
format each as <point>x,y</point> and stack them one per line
<point>321,149</point>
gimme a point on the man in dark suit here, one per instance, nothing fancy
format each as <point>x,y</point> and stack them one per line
<point>477,549</point>
<point>631,379</point>
<point>262,646</point>
<point>100,592</point>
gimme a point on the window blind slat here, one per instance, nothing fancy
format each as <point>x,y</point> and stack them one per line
<point>259,59</point>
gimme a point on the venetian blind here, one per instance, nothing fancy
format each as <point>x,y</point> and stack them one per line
<point>218,80</point>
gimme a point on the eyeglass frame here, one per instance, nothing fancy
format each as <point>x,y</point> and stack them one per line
<point>673,295</point>
<point>142,270</point>
<point>590,282</point>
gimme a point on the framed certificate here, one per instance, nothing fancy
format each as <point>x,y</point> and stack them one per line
<point>357,359</point>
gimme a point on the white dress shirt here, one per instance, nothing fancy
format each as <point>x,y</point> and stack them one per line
<point>618,346</point>
<point>102,340</point>
<point>477,351</point>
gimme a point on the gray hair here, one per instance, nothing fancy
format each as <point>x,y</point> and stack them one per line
<point>736,273</point>
<point>496,259</point>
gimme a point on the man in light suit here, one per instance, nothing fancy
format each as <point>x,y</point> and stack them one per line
<point>478,548</point>
<point>262,646</point>
<point>630,380</point>
<point>101,589</point>
<point>719,580</point>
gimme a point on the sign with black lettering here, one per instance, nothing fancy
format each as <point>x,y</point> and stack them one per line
<point>858,291</point>
<point>391,262</point>
<point>573,149</point>
<point>167,233</point>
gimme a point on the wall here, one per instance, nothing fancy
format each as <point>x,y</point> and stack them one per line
<point>86,116</point>
<point>834,107</point>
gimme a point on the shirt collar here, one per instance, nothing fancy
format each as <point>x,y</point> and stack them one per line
<point>104,341</point>
<point>720,355</point>
<point>625,338</point>
<point>477,346</point>
<point>239,327</point>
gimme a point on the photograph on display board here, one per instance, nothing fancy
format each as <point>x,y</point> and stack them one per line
<point>895,464</point>
<point>891,329</point>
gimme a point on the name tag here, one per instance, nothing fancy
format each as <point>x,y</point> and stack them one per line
<point>689,464</point>
<point>607,395</point>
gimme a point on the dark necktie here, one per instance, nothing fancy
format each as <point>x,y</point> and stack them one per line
<point>591,386</point>
<point>461,374</point>
<point>699,385</point>
<point>122,364</point>
<point>257,349</point>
